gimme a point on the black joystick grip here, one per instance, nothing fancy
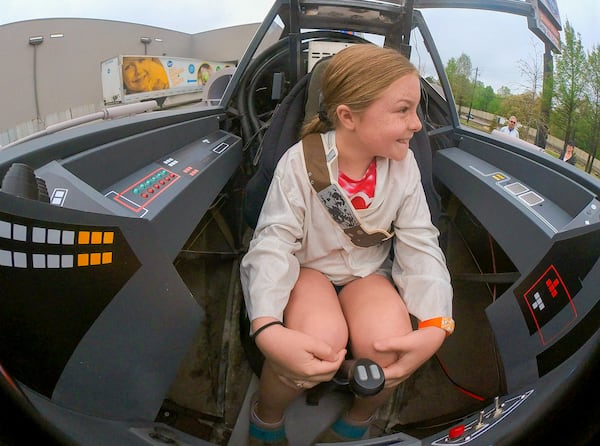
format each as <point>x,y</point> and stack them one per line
<point>20,181</point>
<point>365,377</point>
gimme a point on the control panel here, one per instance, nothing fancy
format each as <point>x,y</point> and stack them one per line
<point>137,196</point>
<point>170,184</point>
<point>147,191</point>
<point>465,433</point>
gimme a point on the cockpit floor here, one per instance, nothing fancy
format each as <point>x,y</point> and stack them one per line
<point>210,395</point>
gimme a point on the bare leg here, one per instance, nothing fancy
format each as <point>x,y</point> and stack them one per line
<point>373,310</point>
<point>312,291</point>
<point>274,396</point>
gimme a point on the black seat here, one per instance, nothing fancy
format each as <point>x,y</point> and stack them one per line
<point>283,132</point>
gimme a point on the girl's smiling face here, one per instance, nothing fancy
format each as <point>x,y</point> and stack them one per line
<point>386,126</point>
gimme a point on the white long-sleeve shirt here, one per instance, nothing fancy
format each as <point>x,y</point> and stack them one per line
<point>295,229</point>
<point>514,132</point>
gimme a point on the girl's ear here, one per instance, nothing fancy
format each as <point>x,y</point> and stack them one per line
<point>345,116</point>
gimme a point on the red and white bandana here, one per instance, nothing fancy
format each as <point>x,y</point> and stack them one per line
<point>360,192</point>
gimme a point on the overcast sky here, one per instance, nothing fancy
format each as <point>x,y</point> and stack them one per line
<point>454,31</point>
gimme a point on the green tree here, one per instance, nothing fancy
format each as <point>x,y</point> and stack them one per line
<point>591,117</point>
<point>532,72</point>
<point>504,91</point>
<point>459,74</point>
<point>484,97</point>
<point>569,83</point>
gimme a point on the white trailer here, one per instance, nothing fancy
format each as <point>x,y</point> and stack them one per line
<point>127,79</point>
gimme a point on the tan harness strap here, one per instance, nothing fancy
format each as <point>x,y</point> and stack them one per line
<point>333,198</point>
<point>316,163</point>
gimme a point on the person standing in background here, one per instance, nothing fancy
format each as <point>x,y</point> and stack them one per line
<point>511,128</point>
<point>568,155</point>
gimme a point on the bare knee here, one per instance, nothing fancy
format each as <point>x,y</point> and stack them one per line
<point>363,348</point>
<point>314,309</point>
<point>374,311</point>
<point>335,335</point>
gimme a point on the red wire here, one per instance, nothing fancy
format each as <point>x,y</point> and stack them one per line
<point>8,379</point>
<point>458,386</point>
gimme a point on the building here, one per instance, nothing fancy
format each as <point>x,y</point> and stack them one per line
<point>52,66</point>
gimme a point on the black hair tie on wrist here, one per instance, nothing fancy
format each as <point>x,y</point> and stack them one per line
<point>257,332</point>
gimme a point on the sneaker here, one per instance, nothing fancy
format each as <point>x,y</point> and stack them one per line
<point>264,434</point>
<point>254,441</point>
<point>342,431</point>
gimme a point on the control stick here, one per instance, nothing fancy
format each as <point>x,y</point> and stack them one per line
<point>363,376</point>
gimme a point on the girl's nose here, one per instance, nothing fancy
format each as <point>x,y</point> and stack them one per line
<point>416,124</point>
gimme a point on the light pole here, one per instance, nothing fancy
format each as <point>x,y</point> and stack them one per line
<point>146,41</point>
<point>472,95</point>
<point>36,41</point>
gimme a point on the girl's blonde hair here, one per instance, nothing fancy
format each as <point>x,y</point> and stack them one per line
<point>356,76</point>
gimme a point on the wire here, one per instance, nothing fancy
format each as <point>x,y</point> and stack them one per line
<point>464,390</point>
<point>10,381</point>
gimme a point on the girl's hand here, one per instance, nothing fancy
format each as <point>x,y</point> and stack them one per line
<point>299,358</point>
<point>413,350</point>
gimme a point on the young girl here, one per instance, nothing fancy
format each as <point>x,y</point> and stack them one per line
<point>310,290</point>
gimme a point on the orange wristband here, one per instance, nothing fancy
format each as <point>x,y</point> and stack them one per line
<point>445,323</point>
